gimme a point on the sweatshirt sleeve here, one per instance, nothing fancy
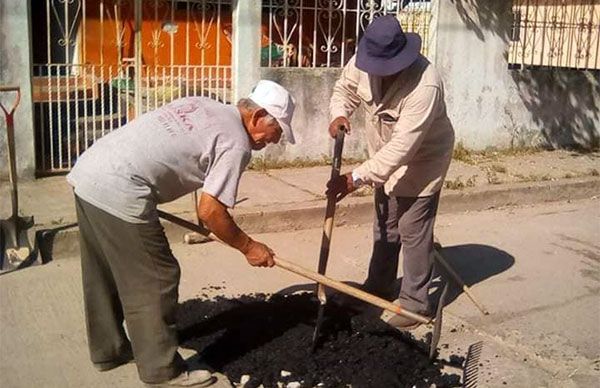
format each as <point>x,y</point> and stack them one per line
<point>345,99</point>
<point>413,124</point>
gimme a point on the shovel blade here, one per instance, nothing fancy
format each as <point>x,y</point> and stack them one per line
<point>437,327</point>
<point>16,250</point>
<point>317,331</point>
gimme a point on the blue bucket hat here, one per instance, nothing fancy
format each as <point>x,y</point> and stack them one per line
<point>385,49</point>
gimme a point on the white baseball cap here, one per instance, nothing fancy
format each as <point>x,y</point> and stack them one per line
<point>278,102</point>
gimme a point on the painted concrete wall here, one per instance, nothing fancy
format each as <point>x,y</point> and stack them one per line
<point>15,69</point>
<point>491,105</point>
<point>312,89</point>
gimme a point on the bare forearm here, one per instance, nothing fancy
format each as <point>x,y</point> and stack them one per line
<point>218,220</point>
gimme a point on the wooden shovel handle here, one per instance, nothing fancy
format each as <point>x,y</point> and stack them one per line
<point>10,145</point>
<point>336,167</point>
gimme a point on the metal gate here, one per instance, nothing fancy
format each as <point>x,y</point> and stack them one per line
<point>100,63</point>
<point>325,33</point>
<point>551,34</point>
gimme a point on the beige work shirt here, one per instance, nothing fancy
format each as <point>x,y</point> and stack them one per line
<point>409,136</point>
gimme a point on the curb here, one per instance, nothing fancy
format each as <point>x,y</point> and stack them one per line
<point>359,210</point>
<point>64,242</point>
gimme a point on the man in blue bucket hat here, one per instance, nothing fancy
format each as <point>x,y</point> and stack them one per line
<point>410,141</point>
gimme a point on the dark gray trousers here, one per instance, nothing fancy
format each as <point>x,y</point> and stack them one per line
<point>403,223</point>
<point>129,273</point>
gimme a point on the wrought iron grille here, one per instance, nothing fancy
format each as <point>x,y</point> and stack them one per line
<point>555,34</point>
<point>93,72</point>
<point>324,33</point>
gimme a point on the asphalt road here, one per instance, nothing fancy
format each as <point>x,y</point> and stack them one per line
<point>536,268</point>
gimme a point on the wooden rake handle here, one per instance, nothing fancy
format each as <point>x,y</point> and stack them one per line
<point>440,259</point>
<point>321,279</point>
<point>349,290</point>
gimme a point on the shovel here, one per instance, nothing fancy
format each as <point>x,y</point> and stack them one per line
<point>16,250</point>
<point>326,236</point>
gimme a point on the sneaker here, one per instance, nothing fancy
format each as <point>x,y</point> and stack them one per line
<point>193,378</point>
<point>402,323</point>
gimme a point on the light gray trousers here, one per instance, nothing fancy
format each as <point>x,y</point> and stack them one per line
<point>129,273</point>
<point>403,223</point>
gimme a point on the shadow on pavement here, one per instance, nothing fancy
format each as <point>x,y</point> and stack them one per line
<point>474,263</point>
<point>46,239</point>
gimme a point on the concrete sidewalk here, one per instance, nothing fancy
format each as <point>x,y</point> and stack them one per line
<point>535,268</point>
<point>292,198</point>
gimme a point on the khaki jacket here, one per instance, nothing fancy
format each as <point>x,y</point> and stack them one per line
<point>409,136</point>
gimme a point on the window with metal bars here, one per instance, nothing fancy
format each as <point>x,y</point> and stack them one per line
<point>325,33</point>
<point>549,34</point>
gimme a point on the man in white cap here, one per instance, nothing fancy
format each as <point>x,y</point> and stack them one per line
<point>129,272</point>
<point>410,141</point>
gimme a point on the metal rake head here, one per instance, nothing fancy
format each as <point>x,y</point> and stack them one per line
<point>471,369</point>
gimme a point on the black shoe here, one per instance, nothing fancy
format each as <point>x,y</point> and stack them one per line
<point>108,365</point>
